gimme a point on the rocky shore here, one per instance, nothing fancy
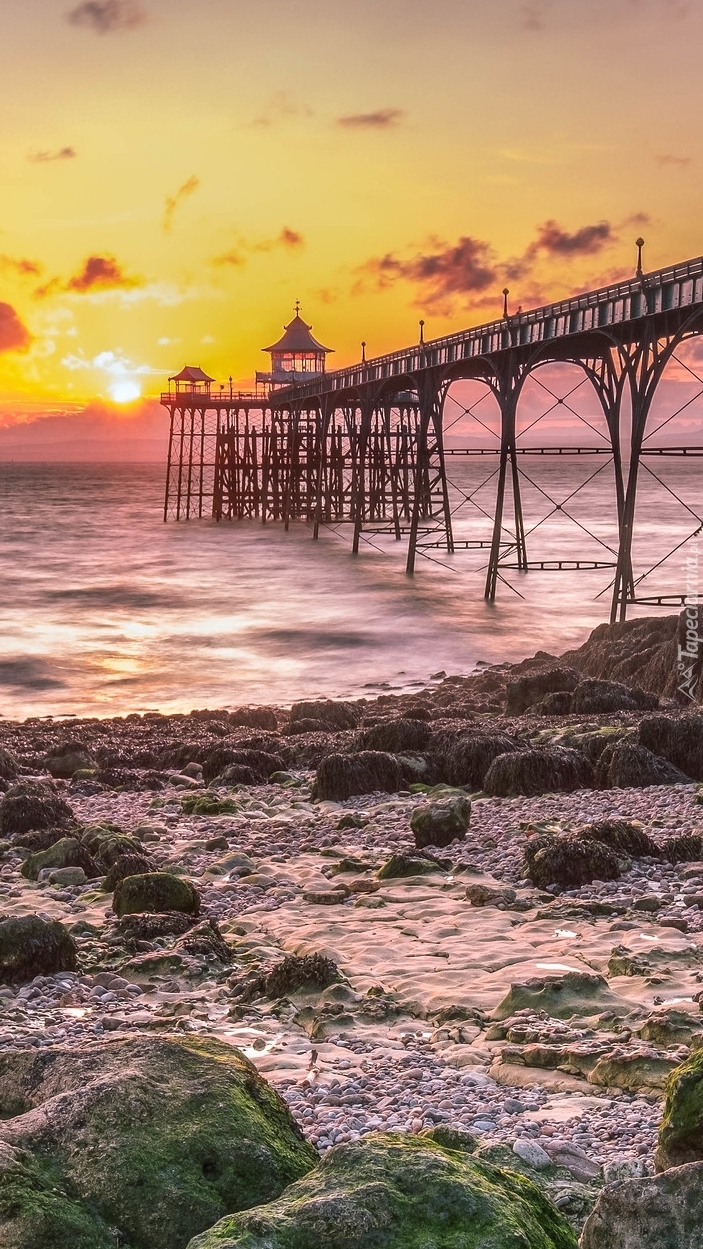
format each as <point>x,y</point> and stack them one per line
<point>419,970</point>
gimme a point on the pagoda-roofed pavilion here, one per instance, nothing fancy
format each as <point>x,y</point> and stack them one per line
<point>297,356</point>
<point>191,381</point>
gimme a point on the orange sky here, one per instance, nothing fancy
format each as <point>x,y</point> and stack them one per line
<point>176,174</point>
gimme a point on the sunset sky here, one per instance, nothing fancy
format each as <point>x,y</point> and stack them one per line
<point>176,174</point>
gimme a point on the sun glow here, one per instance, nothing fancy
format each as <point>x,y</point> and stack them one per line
<point>125,391</point>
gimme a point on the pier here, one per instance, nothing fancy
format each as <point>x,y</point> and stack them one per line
<point>366,446</point>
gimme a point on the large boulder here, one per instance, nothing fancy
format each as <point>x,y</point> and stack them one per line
<point>396,736</point>
<point>30,805</point>
<point>441,822</point>
<point>468,759</point>
<point>68,852</point>
<point>334,716</point>
<point>592,697</point>
<point>660,1212</point>
<point>62,761</point>
<point>525,691</point>
<point>153,893</point>
<point>681,1130</point>
<point>259,764</point>
<point>678,739</point>
<point>538,770</point>
<point>568,862</point>
<point>388,1192</point>
<point>128,865</point>
<point>254,718</point>
<point>30,946</point>
<point>627,765</point>
<point>142,1142</point>
<point>9,767</point>
<point>368,772</point>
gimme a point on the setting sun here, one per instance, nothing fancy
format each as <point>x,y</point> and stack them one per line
<point>125,391</point>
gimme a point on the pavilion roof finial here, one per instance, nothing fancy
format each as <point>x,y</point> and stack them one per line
<point>297,307</point>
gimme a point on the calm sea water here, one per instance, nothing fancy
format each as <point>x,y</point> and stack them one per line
<point>106,610</point>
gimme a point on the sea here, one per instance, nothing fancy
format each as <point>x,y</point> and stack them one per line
<point>105,610</point>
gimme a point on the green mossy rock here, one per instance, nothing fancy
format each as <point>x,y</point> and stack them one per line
<point>38,1208</point>
<point>440,823</point>
<point>681,1131</point>
<point>30,805</point>
<point>64,853</point>
<point>107,843</point>
<point>155,1138</point>
<point>30,946</point>
<point>401,865</point>
<point>391,1193</point>
<point>128,865</point>
<point>561,997</point>
<point>204,804</point>
<point>153,893</point>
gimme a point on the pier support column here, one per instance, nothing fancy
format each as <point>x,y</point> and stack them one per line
<point>429,477</point>
<point>506,385</point>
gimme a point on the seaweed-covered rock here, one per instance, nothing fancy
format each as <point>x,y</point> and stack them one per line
<point>64,853</point>
<point>107,843</point>
<point>32,805</point>
<point>334,716</point>
<point>568,862</point>
<point>298,970</point>
<point>180,754</point>
<point>622,836</point>
<point>135,929</point>
<point>369,771</point>
<point>62,761</point>
<point>155,892</point>
<point>539,770</point>
<point>529,689</point>
<point>127,865</point>
<point>659,1212</point>
<point>387,1192</point>
<point>468,759</point>
<point>9,767</point>
<point>204,941</point>
<point>592,697</point>
<point>627,765</point>
<point>441,822</point>
<point>259,764</point>
<point>396,736</point>
<point>681,1130</point>
<point>263,718</point>
<point>686,848</point>
<point>156,1139</point>
<point>676,738</point>
<point>30,946</point>
<point>557,703</point>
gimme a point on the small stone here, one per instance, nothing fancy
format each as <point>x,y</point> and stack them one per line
<point>532,1154</point>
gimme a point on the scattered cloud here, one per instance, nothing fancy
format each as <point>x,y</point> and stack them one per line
<point>443,273</point>
<point>237,257</point>
<point>112,362</point>
<point>21,266</point>
<point>61,153</point>
<point>281,107</point>
<point>554,240</point>
<point>534,14</point>
<point>98,273</point>
<point>469,272</point>
<point>14,335</point>
<point>668,158</point>
<point>381,119</point>
<point>188,188</point>
<point>107,16</point>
